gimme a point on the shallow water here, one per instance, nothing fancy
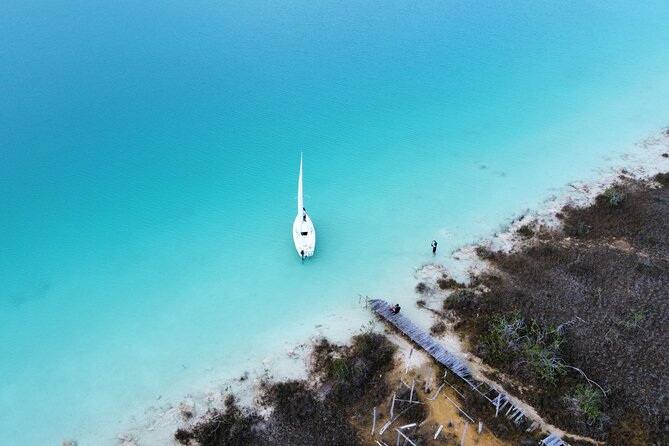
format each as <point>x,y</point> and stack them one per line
<point>149,155</point>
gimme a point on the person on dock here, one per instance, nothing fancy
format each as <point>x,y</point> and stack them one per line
<point>396,308</point>
<point>434,247</point>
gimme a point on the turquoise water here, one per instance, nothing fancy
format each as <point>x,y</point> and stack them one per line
<point>149,154</point>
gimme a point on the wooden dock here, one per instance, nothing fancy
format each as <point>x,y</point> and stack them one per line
<point>552,440</point>
<point>411,330</point>
<point>500,400</point>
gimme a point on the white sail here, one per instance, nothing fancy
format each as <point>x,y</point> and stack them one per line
<point>304,234</point>
<point>300,198</point>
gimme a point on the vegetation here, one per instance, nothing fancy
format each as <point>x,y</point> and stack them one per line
<point>421,288</point>
<point>446,283</point>
<point>511,339</point>
<point>542,350</point>
<point>662,178</point>
<point>525,231</point>
<point>502,339</point>
<point>615,197</point>
<point>577,229</point>
<point>607,270</point>
<point>232,425</point>
<point>589,402</point>
<point>351,381</point>
<point>464,299</point>
<point>485,253</point>
<point>633,322</point>
<point>437,328</point>
<point>301,417</point>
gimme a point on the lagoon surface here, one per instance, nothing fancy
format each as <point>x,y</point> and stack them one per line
<point>149,154</point>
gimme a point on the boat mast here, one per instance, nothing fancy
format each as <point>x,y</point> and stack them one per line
<point>300,200</point>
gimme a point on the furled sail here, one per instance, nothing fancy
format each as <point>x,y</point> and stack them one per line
<point>300,199</point>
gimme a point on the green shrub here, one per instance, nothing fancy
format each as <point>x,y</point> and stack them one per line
<point>589,401</point>
<point>615,197</point>
<point>579,229</point>
<point>421,288</point>
<point>510,338</point>
<point>502,339</point>
<point>233,425</point>
<point>461,299</point>
<point>633,322</point>
<point>542,350</point>
<point>437,328</point>
<point>485,253</point>
<point>351,371</point>
<point>525,231</point>
<point>446,284</point>
<point>662,178</point>
<point>338,370</point>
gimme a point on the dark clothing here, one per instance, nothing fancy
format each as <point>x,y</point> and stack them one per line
<point>434,246</point>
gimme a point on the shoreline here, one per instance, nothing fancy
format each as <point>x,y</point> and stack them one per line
<point>162,421</point>
<point>635,166</point>
<point>542,269</point>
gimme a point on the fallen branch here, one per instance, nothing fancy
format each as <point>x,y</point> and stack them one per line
<point>591,382</point>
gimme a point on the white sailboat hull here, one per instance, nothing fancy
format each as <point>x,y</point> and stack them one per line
<point>304,236</point>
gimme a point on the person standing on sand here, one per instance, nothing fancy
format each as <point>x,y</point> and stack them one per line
<point>434,247</point>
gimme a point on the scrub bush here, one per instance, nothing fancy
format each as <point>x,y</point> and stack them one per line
<point>588,401</point>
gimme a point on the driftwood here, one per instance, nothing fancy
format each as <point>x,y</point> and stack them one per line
<point>408,361</point>
<point>458,407</point>
<point>399,433</point>
<point>436,394</point>
<point>385,426</point>
<point>373,421</point>
<point>591,382</point>
<point>464,434</point>
<point>427,381</point>
<point>456,390</point>
<point>409,401</point>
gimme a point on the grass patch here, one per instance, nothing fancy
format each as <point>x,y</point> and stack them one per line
<point>421,288</point>
<point>352,382</point>
<point>589,402</point>
<point>616,294</point>
<point>437,328</point>
<point>510,338</point>
<point>445,283</point>
<point>525,231</point>
<point>233,425</point>
<point>614,196</point>
<point>633,322</point>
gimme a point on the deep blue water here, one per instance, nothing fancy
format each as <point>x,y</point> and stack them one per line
<point>149,154</point>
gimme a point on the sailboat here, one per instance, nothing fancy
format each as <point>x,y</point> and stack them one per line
<point>304,234</point>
